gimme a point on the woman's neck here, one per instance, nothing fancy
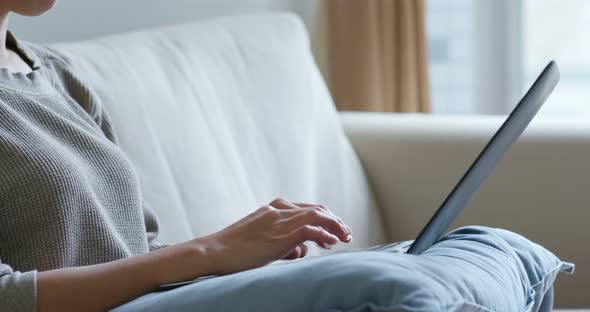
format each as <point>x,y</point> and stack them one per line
<point>8,58</point>
<point>3,33</point>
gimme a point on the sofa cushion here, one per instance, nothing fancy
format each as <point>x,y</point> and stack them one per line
<point>220,117</point>
<point>471,269</point>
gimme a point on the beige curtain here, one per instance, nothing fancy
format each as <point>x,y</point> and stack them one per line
<point>376,54</point>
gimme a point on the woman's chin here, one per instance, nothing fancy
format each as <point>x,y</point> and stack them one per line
<point>33,7</point>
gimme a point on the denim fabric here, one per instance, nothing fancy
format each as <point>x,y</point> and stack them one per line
<point>470,269</point>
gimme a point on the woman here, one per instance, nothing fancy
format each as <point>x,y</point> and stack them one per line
<point>73,220</point>
<point>76,235</point>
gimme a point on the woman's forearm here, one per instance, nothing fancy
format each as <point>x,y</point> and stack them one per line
<point>273,232</point>
<point>104,286</point>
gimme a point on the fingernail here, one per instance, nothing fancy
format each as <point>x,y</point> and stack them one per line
<point>335,239</point>
<point>348,229</point>
<point>348,238</point>
<point>327,246</point>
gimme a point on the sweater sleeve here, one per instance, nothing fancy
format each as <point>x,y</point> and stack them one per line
<point>85,97</point>
<point>18,291</point>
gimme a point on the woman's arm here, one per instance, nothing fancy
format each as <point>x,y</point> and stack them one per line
<point>273,232</point>
<point>104,286</point>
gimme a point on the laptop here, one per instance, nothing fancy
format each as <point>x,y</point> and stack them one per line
<point>483,165</point>
<point>480,169</point>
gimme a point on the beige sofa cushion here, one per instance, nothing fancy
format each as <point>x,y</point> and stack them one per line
<point>222,116</point>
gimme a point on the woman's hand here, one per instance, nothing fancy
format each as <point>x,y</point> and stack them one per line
<point>273,232</point>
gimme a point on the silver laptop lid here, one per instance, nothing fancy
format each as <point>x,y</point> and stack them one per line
<point>487,160</point>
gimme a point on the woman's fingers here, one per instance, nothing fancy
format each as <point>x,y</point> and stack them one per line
<point>301,215</point>
<point>327,210</point>
<point>303,248</point>
<point>317,217</point>
<point>299,252</point>
<point>294,254</point>
<point>281,203</point>
<point>313,233</point>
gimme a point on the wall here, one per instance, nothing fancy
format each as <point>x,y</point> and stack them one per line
<point>82,19</point>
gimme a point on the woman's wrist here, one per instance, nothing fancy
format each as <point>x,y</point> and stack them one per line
<point>184,261</point>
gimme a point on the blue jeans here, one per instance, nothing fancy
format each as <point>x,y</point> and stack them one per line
<point>472,270</point>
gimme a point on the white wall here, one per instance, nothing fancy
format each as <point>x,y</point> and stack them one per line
<point>82,19</point>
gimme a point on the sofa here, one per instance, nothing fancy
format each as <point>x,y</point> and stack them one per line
<point>220,117</point>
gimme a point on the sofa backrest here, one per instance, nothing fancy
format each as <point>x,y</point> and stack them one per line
<point>220,117</point>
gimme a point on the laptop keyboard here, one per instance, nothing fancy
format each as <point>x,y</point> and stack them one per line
<point>400,247</point>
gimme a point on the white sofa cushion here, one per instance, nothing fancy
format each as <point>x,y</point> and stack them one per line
<point>220,117</point>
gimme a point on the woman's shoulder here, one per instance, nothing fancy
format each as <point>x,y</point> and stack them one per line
<point>59,67</point>
<point>55,63</point>
<point>47,56</point>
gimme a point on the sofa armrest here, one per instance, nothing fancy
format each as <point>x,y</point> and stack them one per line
<point>539,190</point>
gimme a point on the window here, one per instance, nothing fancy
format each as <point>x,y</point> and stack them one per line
<point>449,25</point>
<point>485,53</point>
<point>558,29</point>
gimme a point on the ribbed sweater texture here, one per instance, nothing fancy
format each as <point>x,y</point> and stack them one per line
<point>68,194</point>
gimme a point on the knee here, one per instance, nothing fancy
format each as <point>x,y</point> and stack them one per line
<point>377,280</point>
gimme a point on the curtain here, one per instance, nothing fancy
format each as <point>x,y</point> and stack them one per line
<point>376,54</point>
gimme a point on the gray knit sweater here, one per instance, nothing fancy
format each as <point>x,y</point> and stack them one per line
<point>68,195</point>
